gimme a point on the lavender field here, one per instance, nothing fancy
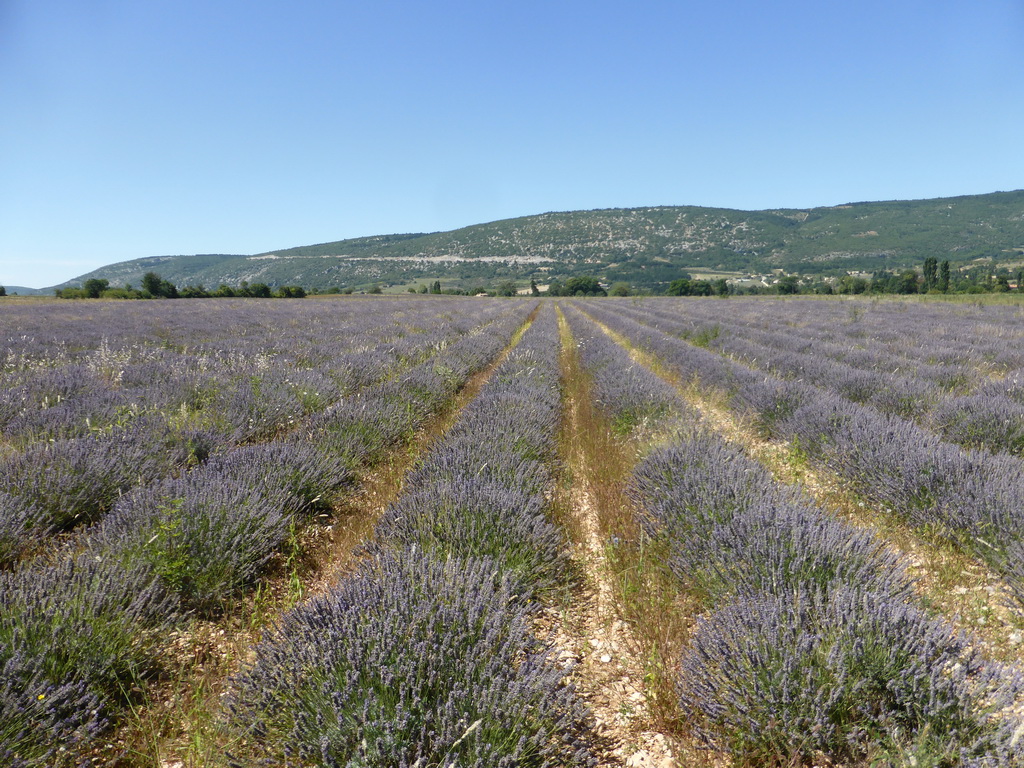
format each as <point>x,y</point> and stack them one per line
<point>451,532</point>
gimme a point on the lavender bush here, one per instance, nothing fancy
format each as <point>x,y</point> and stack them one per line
<point>483,455</point>
<point>206,537</point>
<point>75,640</point>
<point>952,346</point>
<point>703,480</point>
<point>260,408</point>
<point>770,550</point>
<point>43,722</point>
<point>731,529</point>
<point>480,518</point>
<point>88,618</point>
<point>177,448</point>
<point>246,372</point>
<point>19,528</point>
<point>974,497</point>
<point>75,481</point>
<point>88,414</point>
<point>361,427</point>
<point>912,382</point>
<point>183,388</point>
<point>306,477</point>
<point>987,422</point>
<point>857,677</point>
<point>412,662</point>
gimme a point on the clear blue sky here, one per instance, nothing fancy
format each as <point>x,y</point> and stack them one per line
<point>140,128</point>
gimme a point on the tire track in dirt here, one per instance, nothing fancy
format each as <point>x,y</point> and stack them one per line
<point>595,630</point>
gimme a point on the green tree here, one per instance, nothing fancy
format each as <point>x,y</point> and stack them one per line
<point>851,284</point>
<point>931,276</point>
<point>721,287</point>
<point>680,287</point>
<point>943,284</point>
<point>507,288</point>
<point>701,288</point>
<point>906,282</point>
<point>155,286</point>
<point>95,286</point>
<point>583,285</point>
<point>620,289</point>
<point>436,288</point>
<point>151,283</point>
<point>69,293</point>
<point>260,291</point>
<point>3,291</point>
<point>684,286</point>
<point>880,282</point>
<point>823,288</point>
<point>788,285</point>
<point>194,292</point>
<point>534,291</point>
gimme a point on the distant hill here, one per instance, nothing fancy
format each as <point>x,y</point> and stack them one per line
<point>21,290</point>
<point>644,246</point>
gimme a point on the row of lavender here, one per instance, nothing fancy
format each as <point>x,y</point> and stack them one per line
<point>972,395</point>
<point>179,407</point>
<point>952,343</point>
<point>237,373</point>
<point>974,497</point>
<point>427,655</point>
<point>80,639</point>
<point>813,644</point>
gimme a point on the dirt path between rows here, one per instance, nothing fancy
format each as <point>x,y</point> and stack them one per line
<point>597,629</point>
<point>610,673</point>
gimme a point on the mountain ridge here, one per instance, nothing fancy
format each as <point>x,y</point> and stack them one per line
<point>647,246</point>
